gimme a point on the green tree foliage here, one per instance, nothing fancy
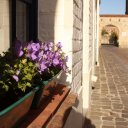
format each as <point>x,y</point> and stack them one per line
<point>114,38</point>
<point>104,32</point>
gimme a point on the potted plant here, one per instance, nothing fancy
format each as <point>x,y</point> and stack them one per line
<point>17,71</point>
<point>50,61</point>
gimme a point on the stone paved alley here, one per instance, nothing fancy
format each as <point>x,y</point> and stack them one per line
<point>109,99</point>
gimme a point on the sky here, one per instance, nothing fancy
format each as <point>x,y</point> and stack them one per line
<point>112,7</point>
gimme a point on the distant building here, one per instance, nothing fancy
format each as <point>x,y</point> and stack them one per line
<point>114,23</point>
<point>117,24</point>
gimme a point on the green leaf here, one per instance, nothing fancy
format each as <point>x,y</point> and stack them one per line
<point>6,87</point>
<point>29,77</point>
<point>28,84</point>
<point>25,70</point>
<point>20,66</point>
<point>30,64</point>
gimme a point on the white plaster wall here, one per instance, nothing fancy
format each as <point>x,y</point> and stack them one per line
<point>90,48</point>
<point>61,20</point>
<point>56,24</point>
<point>4,25</point>
<point>86,71</point>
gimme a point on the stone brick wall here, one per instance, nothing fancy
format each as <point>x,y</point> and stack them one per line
<point>77,43</point>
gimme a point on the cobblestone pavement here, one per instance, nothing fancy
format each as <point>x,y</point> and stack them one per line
<point>109,99</point>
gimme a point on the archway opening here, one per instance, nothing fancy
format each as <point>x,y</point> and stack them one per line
<point>110,35</point>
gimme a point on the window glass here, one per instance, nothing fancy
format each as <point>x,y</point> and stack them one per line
<point>22,20</point>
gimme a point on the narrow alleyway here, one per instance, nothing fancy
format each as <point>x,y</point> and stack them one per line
<point>109,99</point>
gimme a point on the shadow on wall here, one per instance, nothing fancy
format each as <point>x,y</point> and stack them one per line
<point>47,10</point>
<point>64,80</point>
<point>46,19</point>
<point>77,120</point>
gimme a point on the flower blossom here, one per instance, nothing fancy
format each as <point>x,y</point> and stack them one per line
<point>18,48</point>
<point>15,77</point>
<point>55,61</point>
<point>42,66</point>
<point>59,45</point>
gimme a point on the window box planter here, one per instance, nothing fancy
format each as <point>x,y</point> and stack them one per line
<point>43,89</point>
<point>13,114</point>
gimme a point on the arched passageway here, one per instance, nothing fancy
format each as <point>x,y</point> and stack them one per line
<point>110,35</point>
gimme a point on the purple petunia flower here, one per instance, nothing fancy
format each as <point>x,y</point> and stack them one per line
<point>56,54</point>
<point>18,48</point>
<point>29,47</point>
<point>59,45</point>
<point>43,66</point>
<point>44,57</point>
<point>15,77</point>
<point>55,61</point>
<point>45,47</point>
<point>50,46</point>
<point>33,56</point>
<point>50,54</point>
<point>20,53</point>
<point>35,46</point>
<point>41,54</point>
